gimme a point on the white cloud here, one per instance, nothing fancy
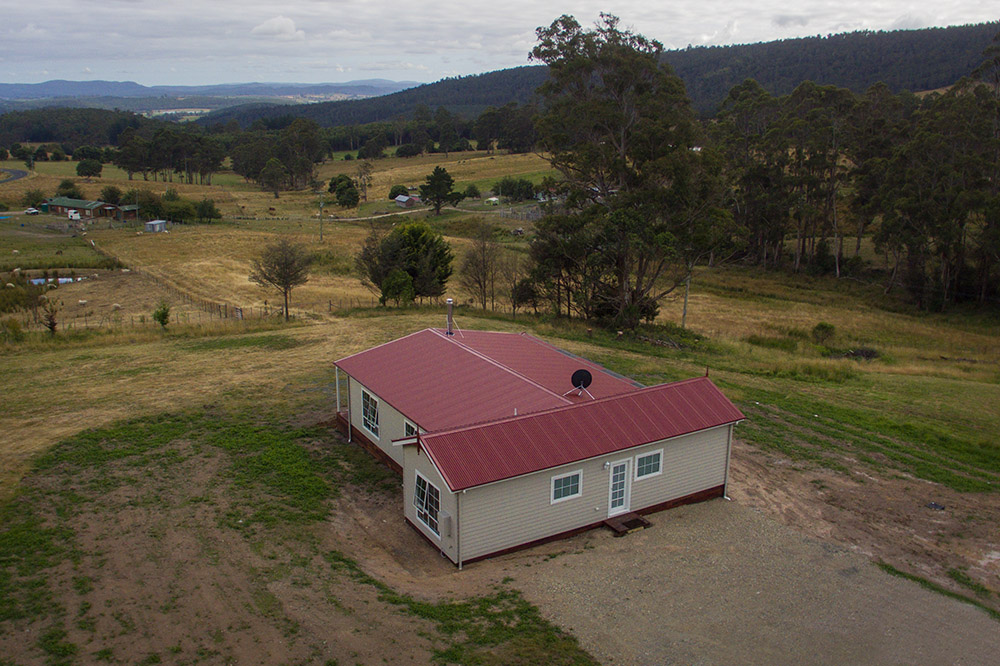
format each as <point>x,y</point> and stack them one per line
<point>908,22</point>
<point>279,27</point>
<point>785,20</point>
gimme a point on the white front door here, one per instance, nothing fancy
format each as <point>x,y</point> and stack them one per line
<point>619,489</point>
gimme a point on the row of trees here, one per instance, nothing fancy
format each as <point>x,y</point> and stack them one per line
<point>648,192</point>
<point>169,152</point>
<point>921,175</point>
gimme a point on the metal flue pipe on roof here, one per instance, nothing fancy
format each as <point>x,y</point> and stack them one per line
<point>451,306</point>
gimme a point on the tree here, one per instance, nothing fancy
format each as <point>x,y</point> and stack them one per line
<point>282,266</point>
<point>161,315</point>
<point>89,169</point>
<point>398,287</point>
<point>398,190</point>
<point>33,198</point>
<point>638,174</point>
<point>49,312</point>
<point>364,170</point>
<point>67,188</point>
<point>412,247</point>
<point>345,191</point>
<point>439,190</point>
<point>111,194</point>
<point>471,192</point>
<point>274,176</point>
<point>481,266</point>
<point>206,210</point>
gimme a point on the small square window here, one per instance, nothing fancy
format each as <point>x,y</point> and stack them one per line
<point>409,429</point>
<point>649,464</point>
<point>566,486</point>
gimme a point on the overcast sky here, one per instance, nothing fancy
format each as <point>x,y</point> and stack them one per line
<point>196,42</point>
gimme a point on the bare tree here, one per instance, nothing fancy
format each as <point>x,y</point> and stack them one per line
<point>364,178</point>
<point>283,266</point>
<point>513,271</point>
<point>479,269</point>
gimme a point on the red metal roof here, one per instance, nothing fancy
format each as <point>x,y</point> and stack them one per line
<point>437,383</point>
<point>476,455</point>
<point>543,363</point>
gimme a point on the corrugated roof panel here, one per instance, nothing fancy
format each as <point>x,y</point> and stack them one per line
<point>490,452</point>
<point>543,363</point>
<point>438,384</point>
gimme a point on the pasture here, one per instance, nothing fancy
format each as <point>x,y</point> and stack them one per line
<point>849,438</point>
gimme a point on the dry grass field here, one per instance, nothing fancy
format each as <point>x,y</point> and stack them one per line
<point>844,447</point>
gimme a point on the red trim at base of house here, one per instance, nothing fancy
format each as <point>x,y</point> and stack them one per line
<point>435,545</point>
<point>693,498</point>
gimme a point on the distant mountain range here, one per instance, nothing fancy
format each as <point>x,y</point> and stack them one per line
<point>914,60</point>
<point>63,89</point>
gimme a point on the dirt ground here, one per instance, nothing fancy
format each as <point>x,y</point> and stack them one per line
<point>780,574</point>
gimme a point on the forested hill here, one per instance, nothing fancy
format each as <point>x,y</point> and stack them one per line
<point>904,59</point>
<point>466,96</point>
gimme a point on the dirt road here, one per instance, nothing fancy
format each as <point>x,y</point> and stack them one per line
<point>720,583</point>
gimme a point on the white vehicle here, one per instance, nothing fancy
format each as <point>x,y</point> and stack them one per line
<point>73,214</point>
<point>32,211</point>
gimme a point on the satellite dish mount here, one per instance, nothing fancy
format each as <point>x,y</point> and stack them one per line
<point>580,380</point>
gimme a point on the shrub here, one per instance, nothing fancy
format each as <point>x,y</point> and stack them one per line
<point>161,315</point>
<point>11,331</point>
<point>472,192</point>
<point>822,332</point>
<point>398,190</point>
<point>408,150</point>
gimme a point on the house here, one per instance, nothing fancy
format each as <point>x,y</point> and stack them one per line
<point>407,201</point>
<point>63,205</point>
<point>504,441</point>
<point>156,226</point>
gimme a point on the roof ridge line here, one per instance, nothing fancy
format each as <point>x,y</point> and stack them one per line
<point>451,338</point>
<point>365,351</point>
<point>571,405</point>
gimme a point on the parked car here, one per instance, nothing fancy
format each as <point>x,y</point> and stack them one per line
<point>32,211</point>
<point>73,214</point>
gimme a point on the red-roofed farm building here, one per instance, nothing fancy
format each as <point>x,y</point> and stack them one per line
<point>499,450</point>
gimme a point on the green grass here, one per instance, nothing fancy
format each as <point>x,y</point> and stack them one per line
<point>934,587</point>
<point>38,247</point>
<point>500,628</point>
<point>225,342</point>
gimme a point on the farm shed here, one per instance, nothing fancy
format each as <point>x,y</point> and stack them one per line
<point>498,450</point>
<point>407,201</point>
<point>156,226</point>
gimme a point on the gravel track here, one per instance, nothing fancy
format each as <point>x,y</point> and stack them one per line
<point>724,584</point>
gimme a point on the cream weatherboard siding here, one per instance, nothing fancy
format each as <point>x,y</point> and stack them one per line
<point>390,421</point>
<point>415,460</point>
<point>517,511</point>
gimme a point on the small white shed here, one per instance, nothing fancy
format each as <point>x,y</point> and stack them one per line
<point>156,226</point>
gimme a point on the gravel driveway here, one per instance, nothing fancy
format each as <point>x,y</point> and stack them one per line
<point>724,584</point>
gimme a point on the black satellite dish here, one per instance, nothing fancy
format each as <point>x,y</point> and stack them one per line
<point>581,379</point>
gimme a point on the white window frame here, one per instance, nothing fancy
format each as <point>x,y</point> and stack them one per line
<point>364,419</point>
<point>416,430</point>
<point>552,486</point>
<point>658,472</point>
<point>421,507</point>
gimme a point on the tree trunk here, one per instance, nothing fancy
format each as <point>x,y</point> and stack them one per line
<point>687,289</point>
